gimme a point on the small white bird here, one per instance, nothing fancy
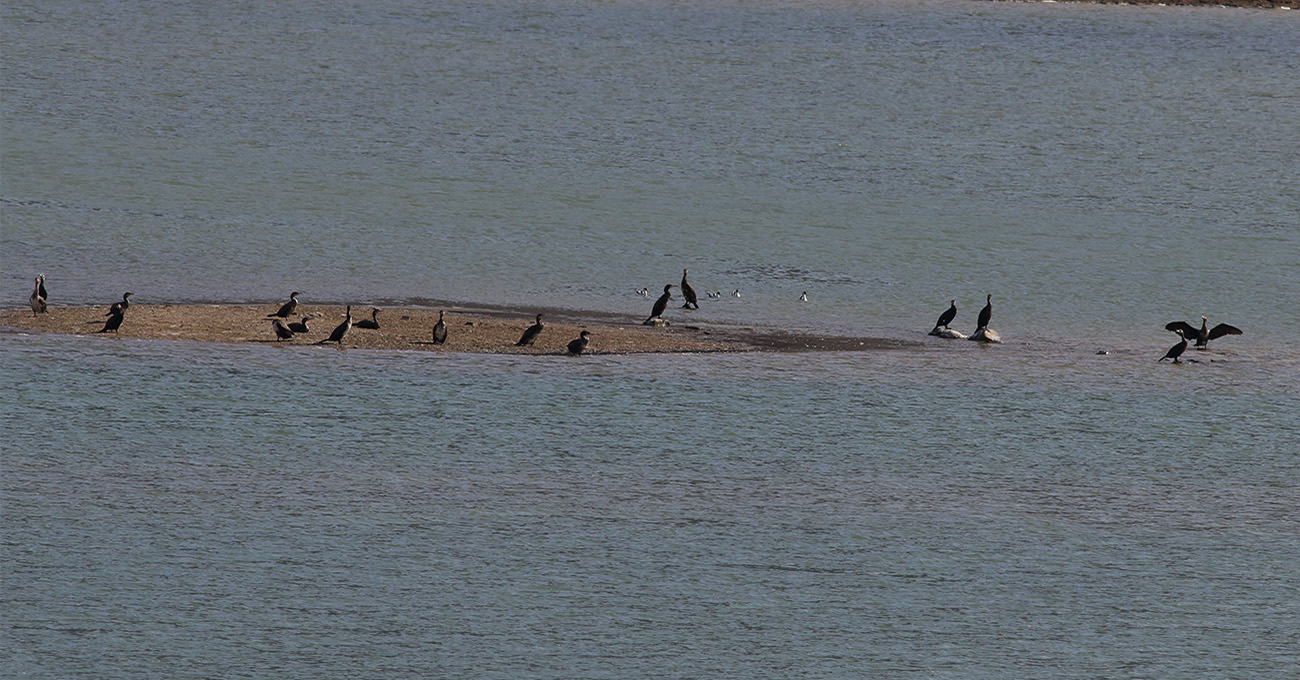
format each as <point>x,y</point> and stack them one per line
<point>804,297</point>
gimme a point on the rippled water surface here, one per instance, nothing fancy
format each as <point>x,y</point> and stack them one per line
<point>1032,509</point>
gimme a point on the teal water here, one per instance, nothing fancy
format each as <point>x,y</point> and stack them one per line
<point>1032,509</point>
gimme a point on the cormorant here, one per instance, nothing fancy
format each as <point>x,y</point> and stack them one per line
<point>114,322</point>
<point>661,304</point>
<point>440,329</point>
<point>121,306</point>
<point>287,308</point>
<point>1176,350</point>
<point>341,329</point>
<point>37,297</point>
<point>945,318</point>
<point>282,332</point>
<point>688,293</point>
<point>40,288</point>
<point>373,322</point>
<point>986,314</point>
<point>1202,335</point>
<point>579,345</point>
<point>300,326</point>
<point>531,334</point>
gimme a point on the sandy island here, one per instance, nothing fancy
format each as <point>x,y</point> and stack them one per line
<point>470,329</point>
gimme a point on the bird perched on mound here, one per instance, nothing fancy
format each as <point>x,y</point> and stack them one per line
<point>660,305</point>
<point>341,329</point>
<point>38,296</point>
<point>300,326</point>
<point>1201,335</point>
<point>530,335</point>
<point>287,308</point>
<point>440,330</point>
<point>986,315</point>
<point>282,331</point>
<point>579,345</point>
<point>945,318</point>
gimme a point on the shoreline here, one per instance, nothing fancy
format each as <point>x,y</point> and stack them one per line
<point>1244,4</point>
<point>474,329</point>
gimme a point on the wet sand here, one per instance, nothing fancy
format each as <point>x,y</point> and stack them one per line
<point>470,329</point>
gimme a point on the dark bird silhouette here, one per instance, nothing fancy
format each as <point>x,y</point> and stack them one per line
<point>373,322</point>
<point>300,326</point>
<point>120,306</point>
<point>440,329</point>
<point>287,308</point>
<point>688,293</point>
<point>579,345</point>
<point>531,334</point>
<point>113,323</point>
<point>1202,335</point>
<point>661,304</point>
<point>37,298</point>
<point>986,314</point>
<point>947,317</point>
<point>282,331</point>
<point>341,329</point>
<point>1177,350</point>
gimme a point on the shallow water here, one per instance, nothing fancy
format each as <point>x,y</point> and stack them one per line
<point>1032,509</point>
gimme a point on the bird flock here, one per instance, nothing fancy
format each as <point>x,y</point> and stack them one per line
<point>285,330</point>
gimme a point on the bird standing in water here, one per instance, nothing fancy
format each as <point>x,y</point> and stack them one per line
<point>287,308</point>
<point>945,318</point>
<point>688,293</point>
<point>440,330</point>
<point>1203,335</point>
<point>282,331</point>
<point>531,333</point>
<point>341,329</point>
<point>373,322</point>
<point>579,345</point>
<point>37,298</point>
<point>1177,350</point>
<point>986,314</point>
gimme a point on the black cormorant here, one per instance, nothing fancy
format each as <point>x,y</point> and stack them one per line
<point>282,331</point>
<point>579,345</point>
<point>287,308</point>
<point>300,326</point>
<point>440,329</point>
<point>1202,335</point>
<point>986,314</point>
<point>945,318</point>
<point>373,322</point>
<point>688,293</point>
<point>1176,350</point>
<point>114,322</point>
<point>661,304</point>
<point>531,334</point>
<point>341,329</point>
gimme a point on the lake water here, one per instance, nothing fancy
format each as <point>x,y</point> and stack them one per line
<point>1031,509</point>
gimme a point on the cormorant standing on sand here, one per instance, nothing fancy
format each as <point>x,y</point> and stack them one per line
<point>531,334</point>
<point>688,293</point>
<point>37,297</point>
<point>986,314</point>
<point>300,326</point>
<point>946,318</point>
<point>120,306</point>
<point>341,329</point>
<point>661,304</point>
<point>579,345</point>
<point>287,308</point>
<point>282,331</point>
<point>1176,350</point>
<point>440,329</point>
<point>373,322</point>
<point>114,322</point>
<point>1202,336</point>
